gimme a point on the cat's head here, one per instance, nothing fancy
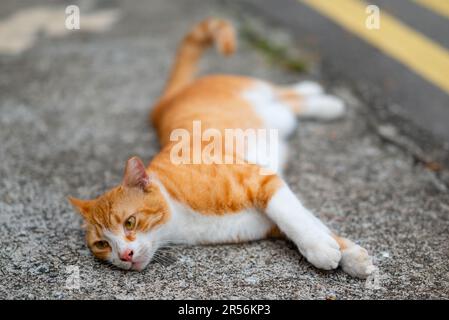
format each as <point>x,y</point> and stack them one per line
<point>123,224</point>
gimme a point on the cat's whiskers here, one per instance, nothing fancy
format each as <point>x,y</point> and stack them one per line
<point>162,260</point>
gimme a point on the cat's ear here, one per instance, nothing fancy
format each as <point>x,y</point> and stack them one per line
<point>135,174</point>
<point>83,206</point>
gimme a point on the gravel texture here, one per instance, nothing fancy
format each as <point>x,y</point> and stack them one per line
<point>74,108</point>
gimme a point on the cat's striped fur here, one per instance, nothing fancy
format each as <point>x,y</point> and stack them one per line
<point>215,203</point>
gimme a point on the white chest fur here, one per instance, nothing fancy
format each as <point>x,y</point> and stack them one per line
<point>189,227</point>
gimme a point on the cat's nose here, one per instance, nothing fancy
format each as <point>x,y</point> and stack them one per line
<point>126,255</point>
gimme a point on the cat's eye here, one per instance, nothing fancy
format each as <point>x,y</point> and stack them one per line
<point>102,244</point>
<point>130,223</point>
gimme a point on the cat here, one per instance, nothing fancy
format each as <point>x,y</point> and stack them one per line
<point>212,203</point>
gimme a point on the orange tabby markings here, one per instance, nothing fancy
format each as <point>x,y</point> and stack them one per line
<point>215,203</point>
<point>218,188</point>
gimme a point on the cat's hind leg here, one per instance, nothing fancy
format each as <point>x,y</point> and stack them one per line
<point>273,112</point>
<point>307,88</point>
<point>308,100</point>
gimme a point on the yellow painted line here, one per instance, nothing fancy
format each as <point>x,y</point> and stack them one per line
<point>424,56</point>
<point>441,7</point>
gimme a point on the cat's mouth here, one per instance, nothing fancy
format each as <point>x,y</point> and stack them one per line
<point>132,266</point>
<point>138,266</point>
<point>138,262</point>
<point>143,259</point>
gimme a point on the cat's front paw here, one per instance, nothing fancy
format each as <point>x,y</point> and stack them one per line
<point>357,262</point>
<point>323,252</point>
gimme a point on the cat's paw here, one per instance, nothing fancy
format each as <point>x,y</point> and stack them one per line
<point>308,88</point>
<point>323,252</point>
<point>356,262</point>
<point>324,107</point>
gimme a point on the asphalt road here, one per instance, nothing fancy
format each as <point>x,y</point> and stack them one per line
<point>395,93</point>
<point>73,108</point>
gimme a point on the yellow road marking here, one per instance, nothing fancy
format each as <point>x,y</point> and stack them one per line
<point>424,56</point>
<point>439,6</point>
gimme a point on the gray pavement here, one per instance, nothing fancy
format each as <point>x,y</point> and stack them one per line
<point>393,93</point>
<point>73,109</point>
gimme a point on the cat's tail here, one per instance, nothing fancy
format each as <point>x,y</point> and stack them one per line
<point>201,36</point>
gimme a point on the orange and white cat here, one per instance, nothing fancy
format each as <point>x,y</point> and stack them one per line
<point>208,203</point>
